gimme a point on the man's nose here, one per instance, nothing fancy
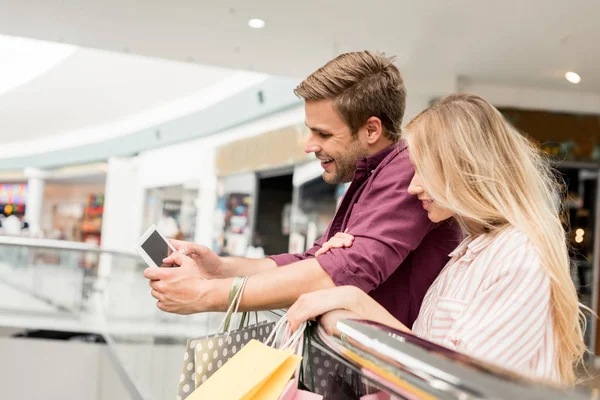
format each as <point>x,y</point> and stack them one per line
<point>311,145</point>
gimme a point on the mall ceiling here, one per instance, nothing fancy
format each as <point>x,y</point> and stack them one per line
<point>132,59</point>
<point>530,42</point>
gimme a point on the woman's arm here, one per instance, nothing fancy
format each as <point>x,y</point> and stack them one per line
<point>341,302</point>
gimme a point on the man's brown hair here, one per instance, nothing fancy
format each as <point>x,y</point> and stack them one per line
<point>362,85</point>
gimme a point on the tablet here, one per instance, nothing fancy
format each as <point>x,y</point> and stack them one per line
<point>153,247</point>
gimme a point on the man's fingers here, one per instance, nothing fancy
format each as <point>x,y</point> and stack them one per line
<point>190,248</point>
<point>157,295</point>
<point>169,260</point>
<point>178,244</point>
<point>161,306</point>
<point>157,285</point>
<point>175,258</point>
<point>155,274</point>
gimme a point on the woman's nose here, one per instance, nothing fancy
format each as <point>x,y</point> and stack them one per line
<point>415,189</point>
<point>415,186</point>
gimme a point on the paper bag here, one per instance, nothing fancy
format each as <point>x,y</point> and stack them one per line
<point>255,372</point>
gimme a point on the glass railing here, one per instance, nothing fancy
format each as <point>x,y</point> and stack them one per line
<point>76,287</point>
<point>55,285</point>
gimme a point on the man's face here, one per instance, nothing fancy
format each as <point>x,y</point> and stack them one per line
<point>332,142</point>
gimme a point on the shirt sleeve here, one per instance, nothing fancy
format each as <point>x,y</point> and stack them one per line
<point>387,224</point>
<point>505,323</point>
<point>286,259</point>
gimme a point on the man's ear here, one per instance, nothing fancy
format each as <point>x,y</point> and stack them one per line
<point>374,129</point>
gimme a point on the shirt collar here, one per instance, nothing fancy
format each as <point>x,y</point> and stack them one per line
<point>472,245</point>
<point>371,162</point>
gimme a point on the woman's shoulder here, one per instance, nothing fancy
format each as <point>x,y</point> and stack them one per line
<point>510,237</point>
<point>512,248</point>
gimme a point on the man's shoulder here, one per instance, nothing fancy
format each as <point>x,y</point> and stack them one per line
<point>395,168</point>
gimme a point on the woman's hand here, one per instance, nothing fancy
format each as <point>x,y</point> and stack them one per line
<point>338,241</point>
<point>329,320</point>
<point>314,304</point>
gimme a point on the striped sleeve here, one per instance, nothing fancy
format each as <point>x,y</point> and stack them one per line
<point>505,322</point>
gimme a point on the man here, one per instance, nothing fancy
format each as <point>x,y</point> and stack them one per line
<point>354,107</point>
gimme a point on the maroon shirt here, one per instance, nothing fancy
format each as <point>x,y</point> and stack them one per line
<point>397,252</point>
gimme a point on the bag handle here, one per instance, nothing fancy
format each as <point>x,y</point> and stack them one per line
<point>235,298</point>
<point>282,326</point>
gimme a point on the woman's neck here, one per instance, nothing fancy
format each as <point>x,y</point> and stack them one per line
<point>471,227</point>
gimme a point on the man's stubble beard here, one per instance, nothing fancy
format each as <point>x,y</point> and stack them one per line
<point>346,164</point>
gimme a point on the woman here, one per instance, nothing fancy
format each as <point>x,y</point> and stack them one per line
<point>506,295</point>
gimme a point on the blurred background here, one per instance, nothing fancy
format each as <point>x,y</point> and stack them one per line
<point>115,115</point>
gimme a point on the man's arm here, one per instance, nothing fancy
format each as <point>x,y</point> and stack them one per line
<point>184,290</point>
<point>215,267</point>
<point>271,289</point>
<point>240,266</point>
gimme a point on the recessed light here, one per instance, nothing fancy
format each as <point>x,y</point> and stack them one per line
<point>573,77</point>
<point>256,23</point>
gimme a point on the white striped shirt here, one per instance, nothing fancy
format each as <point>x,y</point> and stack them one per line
<point>492,302</point>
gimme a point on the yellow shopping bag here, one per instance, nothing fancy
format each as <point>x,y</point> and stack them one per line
<point>257,372</point>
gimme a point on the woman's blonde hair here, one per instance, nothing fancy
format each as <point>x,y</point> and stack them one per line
<point>474,163</point>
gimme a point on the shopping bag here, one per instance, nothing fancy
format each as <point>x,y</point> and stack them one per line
<point>321,370</point>
<point>377,396</point>
<point>253,368</point>
<point>205,355</point>
<point>295,389</point>
<point>293,392</point>
<point>212,353</point>
<point>258,371</point>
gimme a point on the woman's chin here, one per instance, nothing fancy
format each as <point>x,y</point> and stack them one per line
<point>435,216</point>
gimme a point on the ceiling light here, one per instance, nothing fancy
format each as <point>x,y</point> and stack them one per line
<point>573,77</point>
<point>579,232</point>
<point>256,23</point>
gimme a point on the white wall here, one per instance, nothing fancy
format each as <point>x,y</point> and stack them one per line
<point>534,98</point>
<point>57,370</point>
<point>185,163</point>
<point>123,205</point>
<point>416,103</point>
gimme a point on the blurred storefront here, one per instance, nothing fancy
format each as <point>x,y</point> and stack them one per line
<point>173,210</point>
<point>73,211</point>
<point>13,200</point>
<point>271,197</point>
<point>572,141</point>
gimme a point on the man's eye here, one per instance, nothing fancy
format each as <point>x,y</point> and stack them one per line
<point>324,135</point>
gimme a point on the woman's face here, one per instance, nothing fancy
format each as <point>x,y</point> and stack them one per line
<point>435,212</point>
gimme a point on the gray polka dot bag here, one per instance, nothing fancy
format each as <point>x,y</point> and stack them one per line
<point>204,356</point>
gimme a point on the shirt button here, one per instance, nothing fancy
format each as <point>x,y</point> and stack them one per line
<point>372,171</point>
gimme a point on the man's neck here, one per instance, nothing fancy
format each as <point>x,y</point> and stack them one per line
<point>381,144</point>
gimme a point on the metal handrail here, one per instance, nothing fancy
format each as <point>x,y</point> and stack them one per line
<point>61,245</point>
<point>441,372</point>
